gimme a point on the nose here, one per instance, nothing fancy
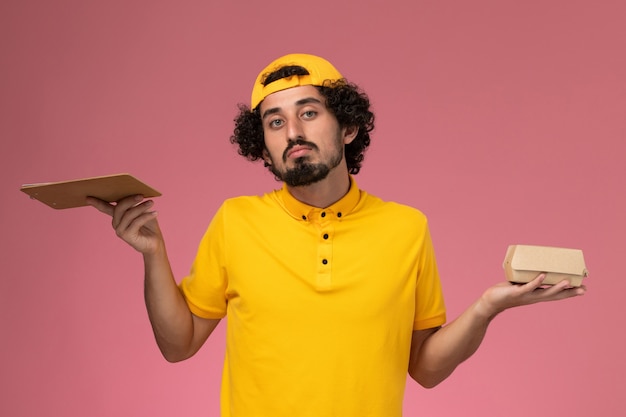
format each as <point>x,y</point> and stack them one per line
<point>294,129</point>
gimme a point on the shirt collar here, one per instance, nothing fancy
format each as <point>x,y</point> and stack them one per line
<point>338,210</point>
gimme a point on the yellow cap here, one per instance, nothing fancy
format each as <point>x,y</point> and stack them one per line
<point>319,70</point>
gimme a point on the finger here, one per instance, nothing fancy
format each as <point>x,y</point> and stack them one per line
<point>121,208</point>
<point>139,222</point>
<point>563,294</point>
<point>124,220</point>
<point>100,205</point>
<point>537,282</point>
<point>566,287</point>
<point>560,291</point>
<point>580,290</point>
<point>127,202</point>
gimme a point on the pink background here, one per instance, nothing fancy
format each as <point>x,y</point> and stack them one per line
<point>502,120</point>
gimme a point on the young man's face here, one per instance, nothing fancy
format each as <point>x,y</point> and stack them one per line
<point>303,139</point>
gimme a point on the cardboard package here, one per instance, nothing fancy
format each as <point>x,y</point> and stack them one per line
<point>523,263</point>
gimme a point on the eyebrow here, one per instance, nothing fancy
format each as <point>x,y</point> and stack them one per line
<point>301,102</point>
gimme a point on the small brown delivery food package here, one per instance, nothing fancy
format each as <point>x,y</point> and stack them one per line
<point>523,263</point>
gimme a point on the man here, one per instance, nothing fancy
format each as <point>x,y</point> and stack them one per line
<point>331,294</point>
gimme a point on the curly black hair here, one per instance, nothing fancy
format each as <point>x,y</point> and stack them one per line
<point>345,100</point>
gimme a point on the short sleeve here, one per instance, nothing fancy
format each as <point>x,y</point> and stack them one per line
<point>430,310</point>
<point>204,288</point>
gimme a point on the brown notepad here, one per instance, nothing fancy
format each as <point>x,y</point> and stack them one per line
<point>69,194</point>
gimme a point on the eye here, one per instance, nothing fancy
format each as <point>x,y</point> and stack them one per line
<point>309,114</point>
<point>276,123</point>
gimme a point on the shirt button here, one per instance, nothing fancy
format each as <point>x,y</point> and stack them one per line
<point>325,235</point>
<point>323,214</point>
<point>303,217</point>
<point>339,214</point>
<point>324,261</point>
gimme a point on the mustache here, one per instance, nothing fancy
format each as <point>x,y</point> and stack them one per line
<point>297,142</point>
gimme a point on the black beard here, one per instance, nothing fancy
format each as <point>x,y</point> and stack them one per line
<point>303,174</point>
<point>306,173</point>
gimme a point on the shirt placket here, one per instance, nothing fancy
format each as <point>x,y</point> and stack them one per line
<point>323,222</point>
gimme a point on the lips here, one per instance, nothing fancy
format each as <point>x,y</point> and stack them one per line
<point>298,149</point>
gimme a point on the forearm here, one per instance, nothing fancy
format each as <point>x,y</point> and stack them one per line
<point>440,354</point>
<point>436,355</point>
<point>171,320</point>
<point>178,333</point>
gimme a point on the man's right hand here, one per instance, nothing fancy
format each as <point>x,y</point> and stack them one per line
<point>178,333</point>
<point>133,222</point>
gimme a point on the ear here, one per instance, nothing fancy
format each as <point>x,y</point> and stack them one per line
<point>349,133</point>
<point>266,158</point>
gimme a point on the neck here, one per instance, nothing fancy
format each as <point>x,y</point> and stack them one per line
<point>323,193</point>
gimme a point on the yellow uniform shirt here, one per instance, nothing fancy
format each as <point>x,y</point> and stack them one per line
<point>321,303</point>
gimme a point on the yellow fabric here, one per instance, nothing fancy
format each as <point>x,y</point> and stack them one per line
<point>307,337</point>
<point>319,70</point>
